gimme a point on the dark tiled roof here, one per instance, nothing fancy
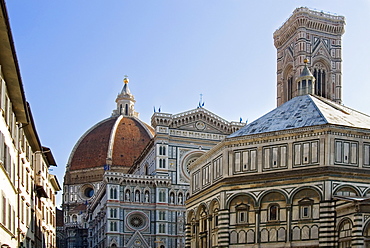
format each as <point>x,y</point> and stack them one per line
<point>305,111</point>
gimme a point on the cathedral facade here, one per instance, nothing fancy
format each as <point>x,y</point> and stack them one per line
<point>127,182</point>
<point>299,175</point>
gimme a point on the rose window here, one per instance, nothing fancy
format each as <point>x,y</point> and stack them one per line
<point>137,221</point>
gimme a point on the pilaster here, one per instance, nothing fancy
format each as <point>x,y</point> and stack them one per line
<point>187,235</point>
<point>223,233</point>
<point>327,235</point>
<point>357,236</point>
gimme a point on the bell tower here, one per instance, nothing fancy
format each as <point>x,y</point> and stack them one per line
<point>316,36</point>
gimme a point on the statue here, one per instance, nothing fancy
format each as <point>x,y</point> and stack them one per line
<point>146,197</point>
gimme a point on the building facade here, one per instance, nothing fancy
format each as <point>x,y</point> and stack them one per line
<point>296,177</point>
<point>27,194</point>
<point>137,202</point>
<point>303,186</point>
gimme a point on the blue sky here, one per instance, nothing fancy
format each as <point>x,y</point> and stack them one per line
<point>73,55</point>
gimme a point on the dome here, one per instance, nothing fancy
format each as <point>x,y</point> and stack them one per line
<point>115,142</point>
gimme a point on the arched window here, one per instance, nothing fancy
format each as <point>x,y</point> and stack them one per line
<point>215,218</point>
<point>113,226</point>
<point>162,196</point>
<point>162,150</point>
<point>146,169</point>
<point>162,163</point>
<point>305,208</point>
<point>203,222</point>
<point>290,87</point>
<point>346,191</point>
<point>319,73</point>
<point>345,234</point>
<point>193,227</point>
<point>273,212</point>
<point>113,213</point>
<point>74,218</point>
<point>162,228</point>
<point>113,193</point>
<point>162,215</point>
<point>126,109</point>
<point>242,213</point>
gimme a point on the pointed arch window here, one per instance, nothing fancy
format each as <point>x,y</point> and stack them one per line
<point>290,87</point>
<point>320,75</point>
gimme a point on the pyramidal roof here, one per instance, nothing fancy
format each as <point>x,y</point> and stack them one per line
<point>305,111</point>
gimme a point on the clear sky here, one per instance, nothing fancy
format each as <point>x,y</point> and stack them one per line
<point>73,55</point>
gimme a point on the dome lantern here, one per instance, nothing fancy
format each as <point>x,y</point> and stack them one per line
<point>125,101</point>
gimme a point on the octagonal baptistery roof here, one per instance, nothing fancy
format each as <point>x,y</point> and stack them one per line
<point>113,144</point>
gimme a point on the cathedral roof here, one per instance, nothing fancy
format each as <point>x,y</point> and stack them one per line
<point>305,111</point>
<point>116,141</point>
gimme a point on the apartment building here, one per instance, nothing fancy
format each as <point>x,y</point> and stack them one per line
<point>27,192</point>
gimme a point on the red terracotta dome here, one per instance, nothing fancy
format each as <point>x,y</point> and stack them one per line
<point>116,142</point>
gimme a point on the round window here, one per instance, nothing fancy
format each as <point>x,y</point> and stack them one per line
<point>89,192</point>
<point>187,161</point>
<point>137,221</point>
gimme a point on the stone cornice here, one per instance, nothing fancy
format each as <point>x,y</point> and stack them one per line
<point>282,177</point>
<point>310,19</point>
<point>121,178</point>
<point>297,133</point>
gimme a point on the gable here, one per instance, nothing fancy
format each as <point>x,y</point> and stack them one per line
<point>137,240</point>
<point>202,120</point>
